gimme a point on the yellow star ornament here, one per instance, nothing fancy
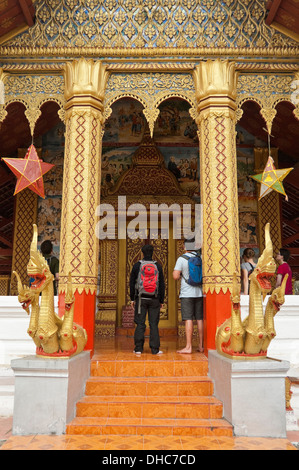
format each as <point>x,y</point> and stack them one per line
<point>271,179</point>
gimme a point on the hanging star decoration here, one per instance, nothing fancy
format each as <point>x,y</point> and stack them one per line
<point>271,179</point>
<point>29,171</point>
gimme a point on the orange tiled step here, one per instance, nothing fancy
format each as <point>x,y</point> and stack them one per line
<point>147,387</point>
<point>149,426</point>
<point>149,368</point>
<point>153,407</point>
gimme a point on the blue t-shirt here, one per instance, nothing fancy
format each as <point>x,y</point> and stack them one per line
<point>186,289</point>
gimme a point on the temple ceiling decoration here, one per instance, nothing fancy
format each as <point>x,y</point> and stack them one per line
<point>158,27</point>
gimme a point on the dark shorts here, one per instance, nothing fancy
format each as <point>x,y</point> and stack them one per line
<point>192,308</point>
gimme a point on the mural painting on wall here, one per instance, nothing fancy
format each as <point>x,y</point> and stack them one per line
<point>49,209</point>
<point>126,123</point>
<point>246,192</point>
<point>175,135</point>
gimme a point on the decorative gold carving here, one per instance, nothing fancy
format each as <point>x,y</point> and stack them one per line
<point>142,65</point>
<point>82,171</point>
<point>150,28</point>
<point>150,89</point>
<point>85,79</point>
<point>106,316</point>
<point>33,91</point>
<point>267,90</point>
<point>289,394</point>
<point>216,118</point>
<point>53,336</point>
<point>215,77</point>
<point>250,339</point>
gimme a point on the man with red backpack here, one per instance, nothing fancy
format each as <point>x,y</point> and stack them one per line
<point>147,292</point>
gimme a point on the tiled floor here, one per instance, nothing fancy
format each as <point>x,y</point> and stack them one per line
<point>143,443</point>
<point>107,352</point>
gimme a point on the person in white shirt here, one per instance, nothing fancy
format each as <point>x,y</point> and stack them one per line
<point>191,299</point>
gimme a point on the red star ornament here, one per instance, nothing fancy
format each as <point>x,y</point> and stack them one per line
<point>29,171</point>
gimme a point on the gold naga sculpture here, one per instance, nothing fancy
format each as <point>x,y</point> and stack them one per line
<point>52,335</point>
<point>250,339</point>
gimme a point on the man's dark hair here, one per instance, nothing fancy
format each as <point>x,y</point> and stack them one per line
<point>285,253</point>
<point>46,247</point>
<point>147,251</point>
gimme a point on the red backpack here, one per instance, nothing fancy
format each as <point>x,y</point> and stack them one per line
<point>148,280</point>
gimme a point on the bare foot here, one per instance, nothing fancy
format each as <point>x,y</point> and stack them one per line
<point>201,350</point>
<point>185,351</point>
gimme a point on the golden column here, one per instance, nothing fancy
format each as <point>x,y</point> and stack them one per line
<point>216,92</point>
<point>85,82</point>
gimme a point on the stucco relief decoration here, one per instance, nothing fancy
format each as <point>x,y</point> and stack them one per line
<point>150,89</point>
<point>32,91</point>
<point>161,25</point>
<point>267,91</point>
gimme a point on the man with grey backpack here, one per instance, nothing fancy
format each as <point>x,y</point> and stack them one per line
<point>188,268</point>
<point>147,292</point>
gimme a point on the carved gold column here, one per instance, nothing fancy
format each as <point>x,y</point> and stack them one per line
<point>216,91</point>
<point>85,82</point>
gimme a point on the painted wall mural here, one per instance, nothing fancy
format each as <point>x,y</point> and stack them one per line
<point>247,191</point>
<point>175,134</point>
<point>49,209</point>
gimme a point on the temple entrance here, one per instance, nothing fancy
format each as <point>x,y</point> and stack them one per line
<point>158,173</point>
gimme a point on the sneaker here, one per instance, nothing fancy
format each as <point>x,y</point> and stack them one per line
<point>138,353</point>
<point>158,353</point>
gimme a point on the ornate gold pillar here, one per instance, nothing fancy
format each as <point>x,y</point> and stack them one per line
<point>216,92</point>
<point>85,82</point>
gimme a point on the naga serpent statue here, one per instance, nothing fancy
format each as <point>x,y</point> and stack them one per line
<point>250,339</point>
<point>52,335</point>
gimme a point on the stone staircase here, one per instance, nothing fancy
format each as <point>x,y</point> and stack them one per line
<point>150,395</point>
